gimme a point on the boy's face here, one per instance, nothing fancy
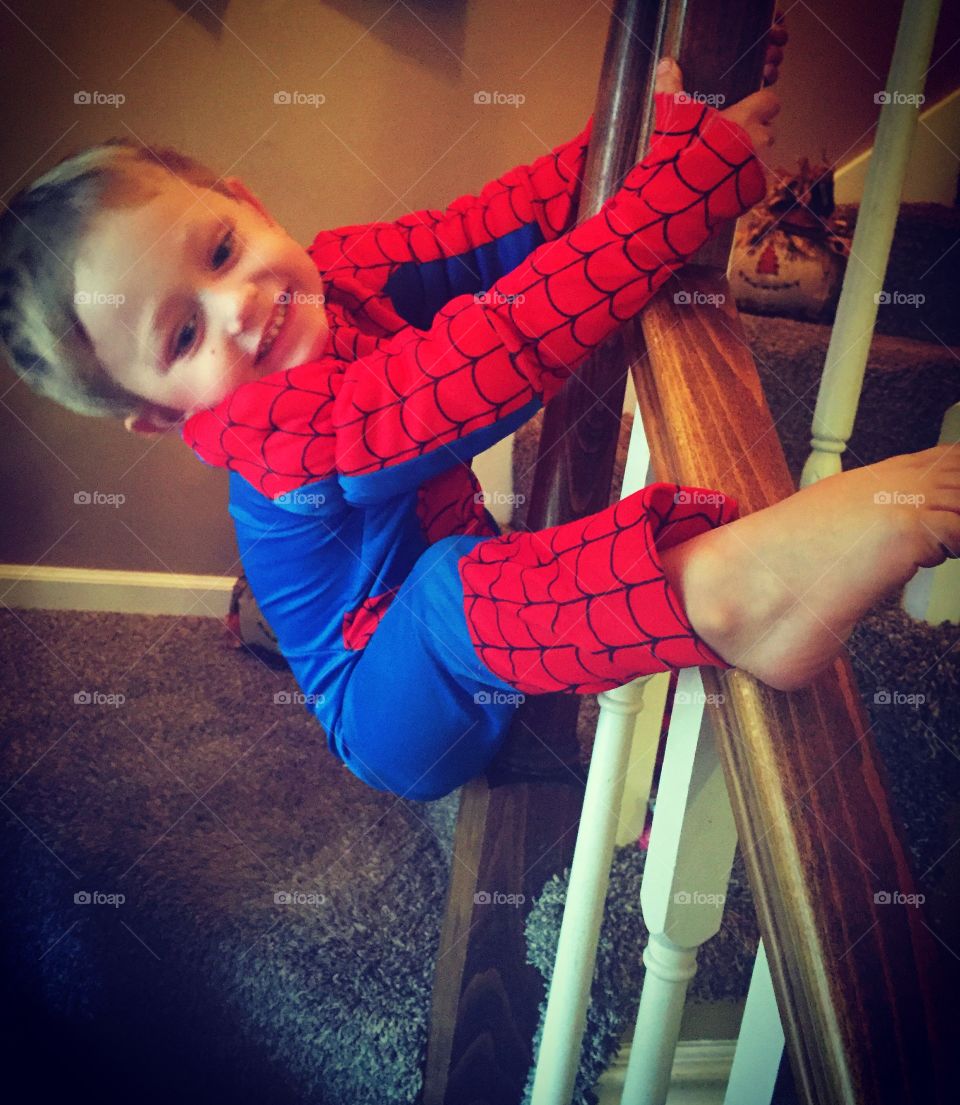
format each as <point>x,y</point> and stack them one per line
<point>180,292</point>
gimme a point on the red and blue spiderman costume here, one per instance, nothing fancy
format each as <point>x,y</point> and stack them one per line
<point>411,624</point>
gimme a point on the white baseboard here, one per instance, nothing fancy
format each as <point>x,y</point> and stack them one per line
<point>701,1070</point>
<point>33,587</point>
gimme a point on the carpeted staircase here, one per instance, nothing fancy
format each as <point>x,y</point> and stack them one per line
<point>203,795</point>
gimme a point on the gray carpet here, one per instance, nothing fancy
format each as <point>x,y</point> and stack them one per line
<point>198,799</point>
<point>200,985</point>
<point>924,261</point>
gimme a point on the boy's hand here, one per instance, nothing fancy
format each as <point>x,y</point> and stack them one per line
<point>756,112</point>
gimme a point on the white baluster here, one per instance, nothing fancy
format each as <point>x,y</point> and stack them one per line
<point>558,1058</point>
<point>685,880</point>
<point>933,595</point>
<point>756,1062</point>
<point>852,333</point>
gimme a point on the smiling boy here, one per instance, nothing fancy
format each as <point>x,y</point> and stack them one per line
<point>348,386</point>
<point>173,332</point>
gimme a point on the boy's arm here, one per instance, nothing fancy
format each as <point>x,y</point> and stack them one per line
<point>430,398</point>
<point>425,258</point>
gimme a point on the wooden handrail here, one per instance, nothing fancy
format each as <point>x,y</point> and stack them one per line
<point>862,986</point>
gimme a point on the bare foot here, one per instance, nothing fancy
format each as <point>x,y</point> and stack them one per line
<point>777,593</point>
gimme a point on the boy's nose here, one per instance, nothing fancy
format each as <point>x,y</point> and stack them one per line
<point>239,308</point>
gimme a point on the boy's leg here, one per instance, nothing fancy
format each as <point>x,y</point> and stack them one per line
<point>421,714</point>
<point>584,607</point>
<point>581,607</point>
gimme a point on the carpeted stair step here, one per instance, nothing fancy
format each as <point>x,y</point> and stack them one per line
<point>907,387</point>
<point>925,261</point>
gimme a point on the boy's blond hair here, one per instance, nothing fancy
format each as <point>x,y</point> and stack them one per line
<point>41,231</point>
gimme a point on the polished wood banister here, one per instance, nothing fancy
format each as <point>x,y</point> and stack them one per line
<point>862,985</point>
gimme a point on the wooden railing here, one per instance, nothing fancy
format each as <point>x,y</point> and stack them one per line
<point>862,988</point>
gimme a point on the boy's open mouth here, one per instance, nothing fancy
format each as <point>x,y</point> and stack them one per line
<point>275,326</point>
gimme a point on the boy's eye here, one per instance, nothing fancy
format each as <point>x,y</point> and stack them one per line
<point>228,237</point>
<point>180,346</point>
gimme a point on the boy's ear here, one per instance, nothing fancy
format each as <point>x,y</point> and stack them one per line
<point>151,423</point>
<point>243,193</point>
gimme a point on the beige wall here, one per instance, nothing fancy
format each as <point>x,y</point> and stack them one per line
<point>399,131</point>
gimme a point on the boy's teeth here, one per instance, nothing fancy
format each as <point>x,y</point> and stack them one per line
<point>268,338</point>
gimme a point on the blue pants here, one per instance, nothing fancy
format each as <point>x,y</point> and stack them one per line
<point>421,714</point>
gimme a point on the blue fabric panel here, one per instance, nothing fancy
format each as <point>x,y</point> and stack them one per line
<point>419,289</point>
<point>303,577</point>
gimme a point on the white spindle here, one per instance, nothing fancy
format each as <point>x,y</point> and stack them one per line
<point>933,595</point>
<point>558,1058</point>
<point>685,880</point>
<point>756,1062</point>
<point>839,394</point>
